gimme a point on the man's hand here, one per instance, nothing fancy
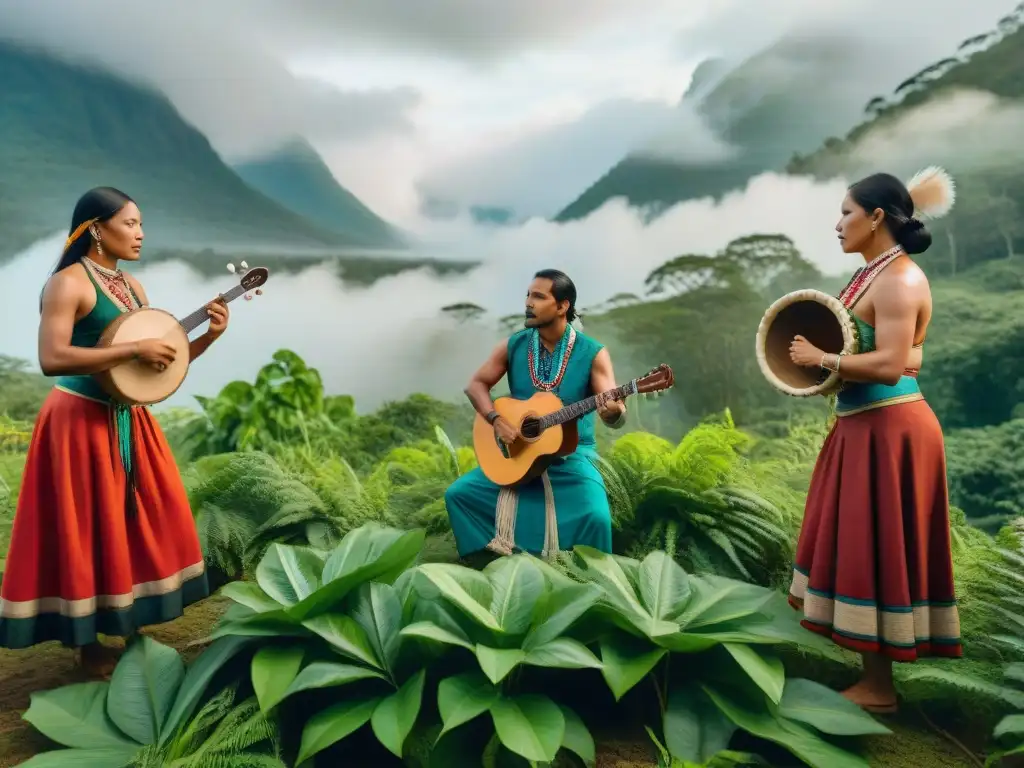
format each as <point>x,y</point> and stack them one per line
<point>504,431</point>
<point>608,409</point>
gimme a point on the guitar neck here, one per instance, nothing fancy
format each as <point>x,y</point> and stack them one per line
<point>583,407</point>
<point>193,321</point>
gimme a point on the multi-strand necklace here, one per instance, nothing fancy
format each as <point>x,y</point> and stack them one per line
<point>547,369</point>
<point>863,277</point>
<point>114,282</point>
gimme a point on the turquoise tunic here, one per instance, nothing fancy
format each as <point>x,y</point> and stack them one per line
<point>581,502</point>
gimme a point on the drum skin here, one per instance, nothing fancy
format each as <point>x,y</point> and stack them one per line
<point>136,382</point>
<point>823,321</point>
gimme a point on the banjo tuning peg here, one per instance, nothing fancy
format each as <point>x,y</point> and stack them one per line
<point>231,268</point>
<point>248,297</point>
<point>259,291</point>
<point>244,265</point>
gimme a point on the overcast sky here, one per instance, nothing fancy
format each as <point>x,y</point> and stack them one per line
<point>395,93</point>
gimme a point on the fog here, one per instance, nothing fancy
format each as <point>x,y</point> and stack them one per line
<point>388,340</point>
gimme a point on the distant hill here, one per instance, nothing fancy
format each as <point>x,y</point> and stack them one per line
<point>966,113</point>
<point>789,96</point>
<point>297,178</point>
<point>66,128</point>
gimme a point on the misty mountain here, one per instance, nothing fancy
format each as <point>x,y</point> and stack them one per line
<point>65,128</point>
<point>788,97</point>
<point>297,177</point>
<point>964,112</point>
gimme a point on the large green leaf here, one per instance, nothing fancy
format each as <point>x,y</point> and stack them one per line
<point>626,660</point>
<point>563,653</point>
<point>289,574</point>
<point>716,600</point>
<point>803,743</point>
<point>1011,724</point>
<point>517,586</point>
<point>106,757</point>
<point>561,606</point>
<point>695,729</point>
<point>498,662</point>
<point>663,585</point>
<point>826,710</point>
<point>396,715</point>
<point>197,678</point>
<point>379,612</point>
<point>386,554</point>
<point>463,697</point>
<point>604,570</point>
<point>251,595</point>
<point>429,631</point>
<point>274,668</point>
<point>333,724</point>
<point>76,716</point>
<point>577,737</point>
<point>143,688</point>
<point>345,636</point>
<point>464,592</point>
<point>766,671</point>
<point>329,674</point>
<point>532,726</point>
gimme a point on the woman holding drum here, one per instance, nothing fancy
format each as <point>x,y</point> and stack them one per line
<point>103,540</point>
<point>873,566</point>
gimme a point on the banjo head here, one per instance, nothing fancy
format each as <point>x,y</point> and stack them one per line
<point>135,382</point>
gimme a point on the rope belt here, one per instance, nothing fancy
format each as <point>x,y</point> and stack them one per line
<point>505,515</point>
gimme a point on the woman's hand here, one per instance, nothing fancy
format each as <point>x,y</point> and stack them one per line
<point>218,312</point>
<point>155,353</point>
<point>802,352</point>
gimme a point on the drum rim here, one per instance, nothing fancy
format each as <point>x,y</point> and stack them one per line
<point>846,324</point>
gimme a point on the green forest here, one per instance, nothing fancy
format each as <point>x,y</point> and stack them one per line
<point>325,531</point>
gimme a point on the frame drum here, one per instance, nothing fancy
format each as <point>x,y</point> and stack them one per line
<point>136,382</point>
<point>821,319</point>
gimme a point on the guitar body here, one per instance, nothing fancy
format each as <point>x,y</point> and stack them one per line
<point>534,451</point>
<point>135,382</point>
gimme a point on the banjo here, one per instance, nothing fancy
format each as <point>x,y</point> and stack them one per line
<point>137,383</point>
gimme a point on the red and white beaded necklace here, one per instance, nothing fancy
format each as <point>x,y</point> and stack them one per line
<point>114,282</point>
<point>863,277</point>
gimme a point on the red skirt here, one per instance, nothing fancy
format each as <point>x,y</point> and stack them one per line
<point>78,565</point>
<point>874,570</point>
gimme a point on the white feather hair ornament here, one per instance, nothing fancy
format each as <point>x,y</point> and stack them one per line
<point>933,192</point>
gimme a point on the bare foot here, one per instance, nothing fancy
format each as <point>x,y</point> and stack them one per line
<point>97,660</point>
<point>872,698</point>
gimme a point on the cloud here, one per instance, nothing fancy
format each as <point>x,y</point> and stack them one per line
<point>216,63</point>
<point>388,340</point>
<point>964,130</point>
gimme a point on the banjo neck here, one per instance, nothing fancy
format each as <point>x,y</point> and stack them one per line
<point>194,320</point>
<point>254,278</point>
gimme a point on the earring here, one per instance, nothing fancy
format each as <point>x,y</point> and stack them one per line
<point>873,226</point>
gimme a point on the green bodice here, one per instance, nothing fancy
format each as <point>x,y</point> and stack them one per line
<point>858,396</point>
<point>86,333</point>
<point>575,384</point>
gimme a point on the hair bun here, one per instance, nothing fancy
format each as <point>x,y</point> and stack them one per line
<point>913,224</point>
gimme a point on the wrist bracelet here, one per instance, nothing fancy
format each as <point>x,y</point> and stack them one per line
<point>492,417</point>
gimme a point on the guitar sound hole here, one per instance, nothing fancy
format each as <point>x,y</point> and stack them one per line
<point>530,428</point>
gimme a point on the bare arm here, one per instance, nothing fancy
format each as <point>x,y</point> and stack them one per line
<point>896,305</point>
<point>61,299</point>
<point>486,377</point>
<point>602,379</point>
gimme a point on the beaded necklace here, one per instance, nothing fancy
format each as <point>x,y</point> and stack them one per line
<point>864,276</point>
<point>114,282</point>
<point>542,364</point>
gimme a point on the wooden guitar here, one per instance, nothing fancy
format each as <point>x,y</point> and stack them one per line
<point>135,382</point>
<point>546,430</point>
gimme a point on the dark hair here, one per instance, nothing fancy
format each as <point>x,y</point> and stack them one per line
<point>562,288</point>
<point>885,191</point>
<point>98,204</point>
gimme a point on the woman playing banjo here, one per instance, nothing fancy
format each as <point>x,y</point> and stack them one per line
<point>103,540</point>
<point>873,566</point>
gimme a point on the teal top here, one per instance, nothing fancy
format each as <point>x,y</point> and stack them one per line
<point>574,386</point>
<point>857,396</point>
<point>86,333</point>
